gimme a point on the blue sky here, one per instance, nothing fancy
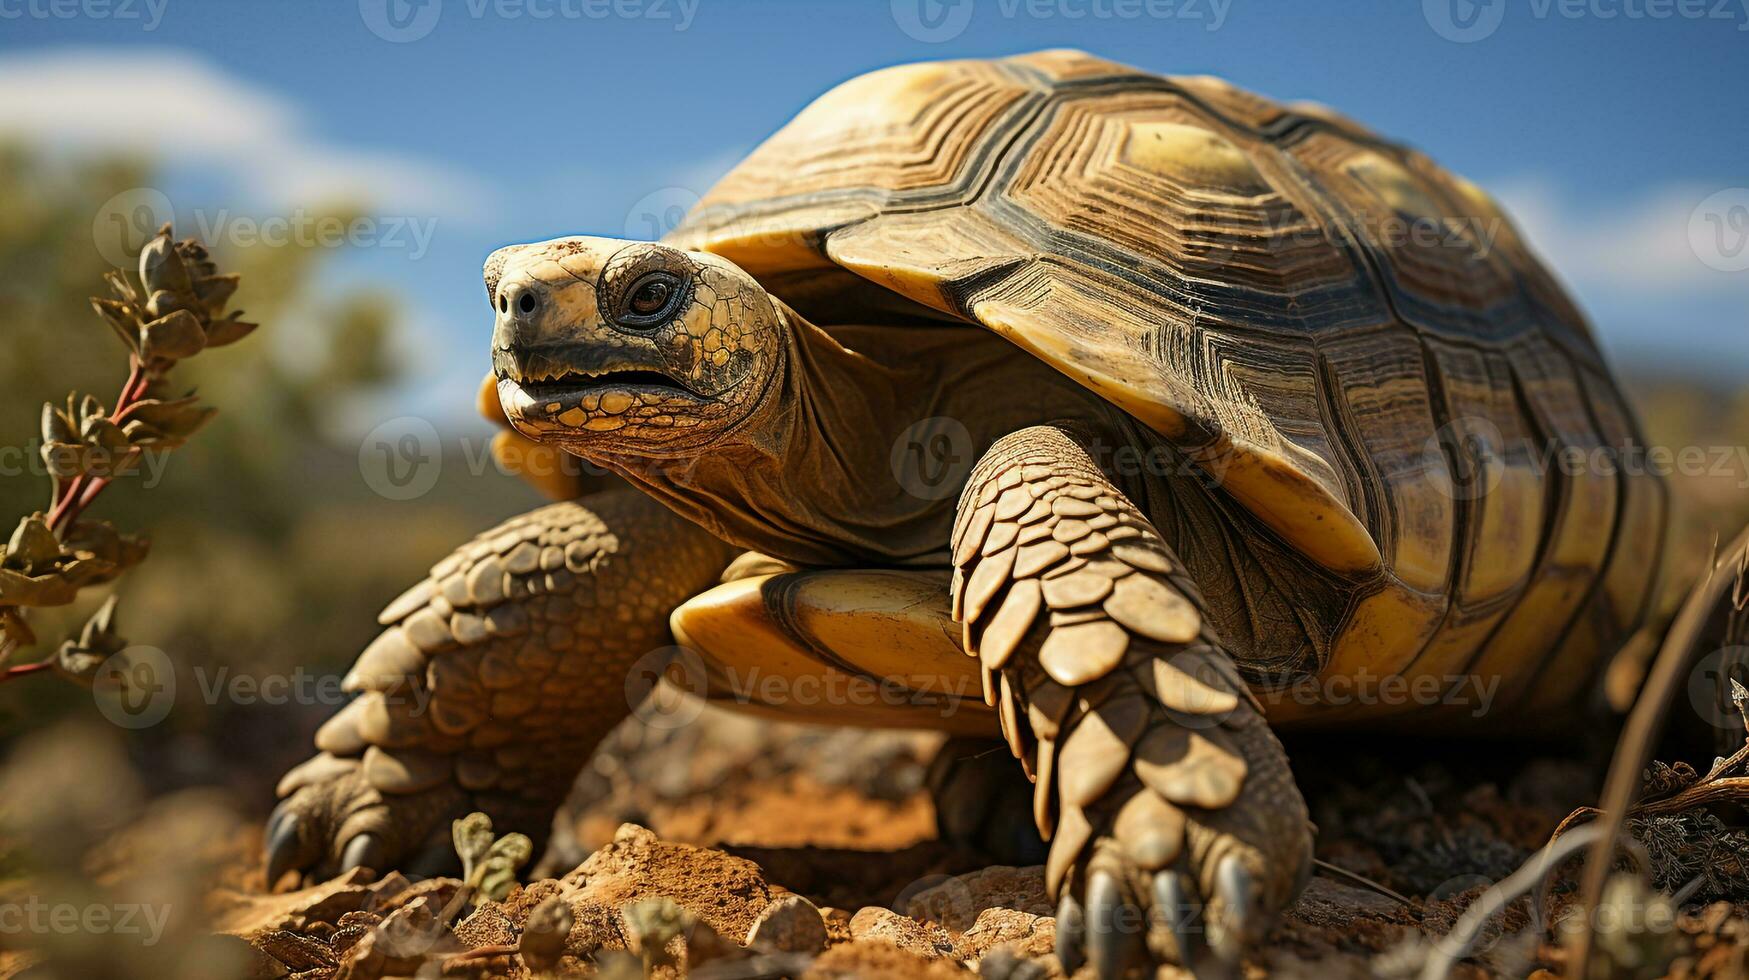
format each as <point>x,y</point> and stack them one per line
<point>1603,124</point>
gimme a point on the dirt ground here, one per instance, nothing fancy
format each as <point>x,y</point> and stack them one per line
<point>739,848</point>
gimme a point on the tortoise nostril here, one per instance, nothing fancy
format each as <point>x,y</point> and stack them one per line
<point>503,303</point>
<point>525,303</point>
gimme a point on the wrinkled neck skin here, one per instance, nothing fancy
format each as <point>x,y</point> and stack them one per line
<point>839,465</point>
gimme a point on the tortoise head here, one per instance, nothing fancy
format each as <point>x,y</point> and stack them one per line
<point>608,348</point>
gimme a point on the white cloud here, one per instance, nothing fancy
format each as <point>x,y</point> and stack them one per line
<point>1635,246</point>
<point>1634,268</point>
<point>178,108</point>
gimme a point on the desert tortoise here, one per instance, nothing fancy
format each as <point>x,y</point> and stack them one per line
<point>1167,403</point>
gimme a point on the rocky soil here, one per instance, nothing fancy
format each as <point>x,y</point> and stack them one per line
<point>734,848</point>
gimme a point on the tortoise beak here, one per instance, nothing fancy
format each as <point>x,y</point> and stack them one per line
<point>573,386</point>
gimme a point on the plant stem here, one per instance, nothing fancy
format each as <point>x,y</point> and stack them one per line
<point>80,492</point>
<point>84,488</point>
<point>22,669</point>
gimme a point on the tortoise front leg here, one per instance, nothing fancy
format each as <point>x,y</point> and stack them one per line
<point>493,681</point>
<point>1174,818</point>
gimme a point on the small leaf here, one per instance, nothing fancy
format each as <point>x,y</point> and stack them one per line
<point>162,268</point>
<point>196,259</point>
<point>121,318</point>
<point>100,540</point>
<point>80,659</point>
<point>229,330</point>
<point>66,460</point>
<point>105,449</point>
<point>57,425</point>
<point>20,589</point>
<point>172,337</point>
<point>32,544</point>
<point>512,848</point>
<point>102,434</point>
<point>216,291</point>
<point>90,408</point>
<point>498,872</point>
<point>473,841</point>
<point>123,289</point>
<point>164,302</point>
<point>14,628</point>
<point>167,420</point>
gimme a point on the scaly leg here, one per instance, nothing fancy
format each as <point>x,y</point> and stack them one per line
<point>491,684</point>
<point>1174,818</point>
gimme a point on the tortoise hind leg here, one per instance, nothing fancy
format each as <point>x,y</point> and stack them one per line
<point>1174,818</point>
<point>982,803</point>
<point>491,684</point>
<point>859,647</point>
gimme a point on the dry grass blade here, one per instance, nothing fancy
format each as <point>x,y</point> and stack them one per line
<point>1646,721</point>
<point>1456,944</point>
<point>1363,881</point>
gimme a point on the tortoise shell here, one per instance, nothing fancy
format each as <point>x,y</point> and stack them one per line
<point>1354,342</point>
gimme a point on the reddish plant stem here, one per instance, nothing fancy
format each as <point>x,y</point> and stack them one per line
<point>84,488</point>
<point>78,495</point>
<point>23,669</point>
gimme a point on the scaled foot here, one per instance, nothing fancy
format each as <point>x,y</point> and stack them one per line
<point>491,684</point>
<point>1177,832</point>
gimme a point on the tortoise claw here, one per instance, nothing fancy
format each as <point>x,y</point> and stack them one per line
<point>363,851</point>
<point>1169,932</point>
<point>1112,940</point>
<point>1231,929</point>
<point>286,848</point>
<point>1071,930</point>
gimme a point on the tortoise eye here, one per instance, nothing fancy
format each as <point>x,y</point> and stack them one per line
<point>650,297</point>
